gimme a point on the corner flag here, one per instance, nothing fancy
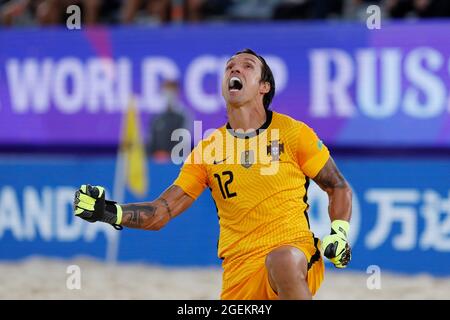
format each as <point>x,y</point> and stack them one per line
<point>131,168</point>
<point>133,149</point>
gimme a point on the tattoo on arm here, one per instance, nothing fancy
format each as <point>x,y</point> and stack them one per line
<point>338,190</point>
<point>166,205</point>
<point>135,214</point>
<point>154,215</point>
<point>330,177</point>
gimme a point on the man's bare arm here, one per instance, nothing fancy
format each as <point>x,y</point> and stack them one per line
<point>156,214</point>
<point>339,192</point>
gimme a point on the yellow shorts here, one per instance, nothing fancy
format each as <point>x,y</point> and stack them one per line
<point>256,286</point>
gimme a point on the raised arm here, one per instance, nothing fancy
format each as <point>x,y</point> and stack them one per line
<point>335,246</point>
<point>156,214</point>
<point>90,205</point>
<point>339,192</point>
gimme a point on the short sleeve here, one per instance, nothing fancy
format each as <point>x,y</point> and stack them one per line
<point>312,154</point>
<point>193,178</point>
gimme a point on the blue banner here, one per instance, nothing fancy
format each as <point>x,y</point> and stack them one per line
<point>401,215</point>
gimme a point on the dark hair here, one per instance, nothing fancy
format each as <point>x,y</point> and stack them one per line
<point>266,76</point>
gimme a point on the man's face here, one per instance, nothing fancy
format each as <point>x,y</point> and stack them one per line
<point>241,82</point>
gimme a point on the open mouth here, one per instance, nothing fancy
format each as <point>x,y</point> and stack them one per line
<point>235,84</point>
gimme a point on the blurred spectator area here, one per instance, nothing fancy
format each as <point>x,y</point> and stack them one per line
<point>175,116</point>
<point>51,12</point>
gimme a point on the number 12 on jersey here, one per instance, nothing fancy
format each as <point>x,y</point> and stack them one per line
<point>224,187</point>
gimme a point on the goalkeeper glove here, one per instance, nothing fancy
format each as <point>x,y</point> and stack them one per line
<point>335,246</point>
<point>90,205</point>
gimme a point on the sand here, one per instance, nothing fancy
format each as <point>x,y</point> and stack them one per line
<point>39,278</point>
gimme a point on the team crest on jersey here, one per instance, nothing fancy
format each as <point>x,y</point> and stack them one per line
<point>247,158</point>
<point>275,149</point>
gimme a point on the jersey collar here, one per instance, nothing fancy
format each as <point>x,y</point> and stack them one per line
<point>254,133</point>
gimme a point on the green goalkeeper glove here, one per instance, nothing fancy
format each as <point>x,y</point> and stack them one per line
<point>90,205</point>
<point>335,246</point>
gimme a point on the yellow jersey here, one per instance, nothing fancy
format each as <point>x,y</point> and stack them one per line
<point>259,184</point>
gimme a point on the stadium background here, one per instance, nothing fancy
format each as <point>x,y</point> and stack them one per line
<point>379,98</point>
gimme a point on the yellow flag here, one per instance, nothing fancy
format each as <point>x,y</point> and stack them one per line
<point>133,148</point>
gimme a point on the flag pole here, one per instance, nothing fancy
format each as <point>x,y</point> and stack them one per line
<point>131,168</point>
<point>112,252</point>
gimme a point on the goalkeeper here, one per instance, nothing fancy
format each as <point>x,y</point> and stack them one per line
<point>267,247</point>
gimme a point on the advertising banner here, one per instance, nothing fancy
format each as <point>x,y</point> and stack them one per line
<point>400,222</point>
<point>355,86</point>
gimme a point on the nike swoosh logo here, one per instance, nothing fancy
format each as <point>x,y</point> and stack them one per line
<point>217,162</point>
